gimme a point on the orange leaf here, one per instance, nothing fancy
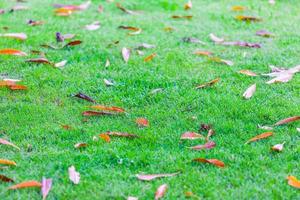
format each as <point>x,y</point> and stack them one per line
<point>17,87</point>
<point>73,43</point>
<point>150,57</point>
<point>215,162</point>
<point>191,136</point>
<point>247,72</point>
<point>203,53</point>
<point>238,8</point>
<point>259,137</point>
<point>112,108</point>
<point>104,137</point>
<point>160,192</point>
<point>26,184</point>
<point>293,181</point>
<point>142,122</point>
<point>7,162</point>
<point>287,120</point>
<point>80,145</point>
<point>12,52</point>
<point>208,84</point>
<point>64,11</point>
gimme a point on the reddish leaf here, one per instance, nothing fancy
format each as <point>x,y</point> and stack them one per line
<point>191,136</point>
<point>5,142</point>
<point>5,179</point>
<point>106,108</point>
<point>150,177</point>
<point>125,54</point>
<point>121,134</point>
<point>294,182</point>
<point>26,184</point>
<point>17,87</point>
<point>19,36</point>
<point>85,97</point>
<point>260,136</point>
<point>80,145</point>
<point>208,84</point>
<point>12,52</point>
<point>208,145</point>
<point>215,162</point>
<point>73,43</point>
<point>150,57</point>
<point>7,162</point>
<point>74,176</point>
<point>142,122</point>
<point>247,72</point>
<point>249,92</point>
<point>95,113</point>
<point>104,137</point>
<point>160,192</point>
<point>46,187</point>
<point>287,120</point>
<point>248,18</point>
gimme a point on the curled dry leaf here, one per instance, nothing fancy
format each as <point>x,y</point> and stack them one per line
<point>46,187</point>
<point>104,137</point>
<point>106,108</point>
<point>188,5</point>
<point>215,162</point>
<point>260,136</point>
<point>282,78</point>
<point>126,10</point>
<point>5,142</point>
<point>293,181</point>
<point>208,145</point>
<point>60,64</point>
<point>248,18</point>
<point>93,26</point>
<point>150,57</point>
<point>238,8</point>
<point>150,177</point>
<point>215,38</point>
<point>95,113</point>
<point>26,184</point>
<point>5,178</point>
<point>287,120</point>
<point>85,97</point>
<point>80,145</point>
<point>220,60</point>
<point>208,84</point>
<point>160,192</point>
<point>19,36</point>
<point>191,136</point>
<point>278,147</point>
<point>125,54</point>
<point>121,134</point>
<point>249,92</point>
<point>74,176</point>
<point>13,52</point>
<point>264,33</point>
<point>182,16</point>
<point>142,122</point>
<point>7,162</point>
<point>247,72</point>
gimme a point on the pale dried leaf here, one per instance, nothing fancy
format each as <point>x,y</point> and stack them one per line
<point>74,176</point>
<point>249,92</point>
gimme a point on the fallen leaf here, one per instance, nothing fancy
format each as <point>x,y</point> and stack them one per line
<point>125,54</point>
<point>160,192</point>
<point>80,145</point>
<point>106,108</point>
<point>298,129</point>
<point>68,36</point>
<point>248,18</point>
<point>60,64</point>
<point>73,43</point>
<point>138,31</point>
<point>287,120</point>
<point>126,10</point>
<point>182,17</point>
<point>215,162</point>
<point>188,5</point>
<point>265,127</point>
<point>5,142</point>
<point>264,33</point>
<point>192,40</point>
<point>260,136</point>
<point>142,122</point>
<point>95,113</point>
<point>5,178</point>
<point>150,177</point>
<point>19,36</point>
<point>222,61</point>
<point>94,26</point>
<point>12,52</point>
<point>205,127</point>
<point>238,8</point>
<point>34,23</point>
<point>17,87</point>
<point>104,137</point>
<point>18,8</point>
<point>108,82</point>
<point>278,147</point>
<point>208,84</point>
<point>121,134</point>
<point>249,92</point>
<point>132,198</point>
<point>85,97</point>
<point>169,29</point>
<point>26,184</point>
<point>208,145</point>
<point>202,53</point>
<point>46,187</point>
<point>215,38</point>
<point>100,9</point>
<point>150,57</point>
<point>247,72</point>
<point>64,11</point>
<point>191,136</point>
<point>84,5</point>
<point>74,176</point>
<point>66,127</point>
<point>272,2</point>
<point>7,162</point>
<point>282,78</point>
<point>39,60</point>
<point>145,46</point>
<point>294,182</point>
<point>107,63</point>
<point>242,44</point>
<point>209,134</point>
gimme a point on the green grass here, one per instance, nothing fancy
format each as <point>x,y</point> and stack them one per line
<point>108,169</point>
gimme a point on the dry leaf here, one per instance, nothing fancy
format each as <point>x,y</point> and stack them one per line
<point>202,53</point>
<point>249,92</point>
<point>104,137</point>
<point>208,84</point>
<point>248,18</point>
<point>265,127</point>
<point>215,162</point>
<point>18,7</point>
<point>85,97</point>
<point>39,60</point>
<point>12,52</point>
<point>287,120</point>
<point>5,142</point>
<point>150,177</point>
<point>74,176</point>
<point>188,5</point>
<point>222,61</point>
<point>60,64</point>
<point>92,27</point>
<point>298,129</point>
<point>238,8</point>
<point>35,23</point>
<point>26,184</point>
<point>106,108</point>
<point>264,33</point>
<point>132,198</point>
<point>19,36</point>
<point>64,11</point>
<point>169,29</point>
<point>247,72</point>
<point>80,145</point>
<point>260,136</point>
<point>215,38</point>
<point>150,57</point>
<point>18,87</point>
<point>160,192</point>
<point>120,134</point>
<point>208,145</point>
<point>191,136</point>
<point>145,46</point>
<point>209,134</point>
<point>108,82</point>
<point>7,162</point>
<point>294,182</point>
<point>278,147</point>
<point>126,10</point>
<point>125,54</point>
<point>46,187</point>
<point>73,43</point>
<point>242,44</point>
<point>95,113</point>
<point>142,122</point>
<point>192,40</point>
<point>107,63</point>
<point>182,17</point>
<point>5,178</point>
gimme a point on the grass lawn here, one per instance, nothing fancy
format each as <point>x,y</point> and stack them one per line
<point>34,117</point>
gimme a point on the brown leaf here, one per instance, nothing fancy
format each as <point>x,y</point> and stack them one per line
<point>12,52</point>
<point>74,176</point>
<point>125,54</point>
<point>182,17</point>
<point>150,177</point>
<point>188,5</point>
<point>5,142</point>
<point>121,134</point>
<point>46,187</point>
<point>160,192</point>
<point>26,184</point>
<point>278,147</point>
<point>106,108</point>
<point>205,127</point>
<point>215,162</point>
<point>264,33</point>
<point>294,182</point>
<point>287,120</point>
<point>131,28</point>
<point>73,43</point>
<point>35,23</point>
<point>202,53</point>
<point>209,134</point>
<point>249,92</point>
<point>242,44</point>
<point>208,145</point>
<point>17,87</point>
<point>169,29</point>
<point>125,10</point>
<point>260,136</point>
<point>5,178</point>
<point>80,145</point>
<point>19,36</point>
<point>95,113</point>
<point>150,57</point>
<point>191,136</point>
<point>104,137</point>
<point>93,26</point>
<point>248,18</point>
<point>39,60</point>
<point>85,97</point>
<point>142,122</point>
<point>7,162</point>
<point>247,72</point>
<point>238,8</point>
<point>208,84</point>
